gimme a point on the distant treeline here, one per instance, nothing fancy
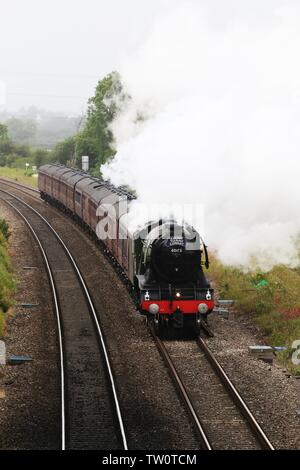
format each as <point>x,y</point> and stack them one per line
<point>91,133</point>
<point>39,128</point>
<point>16,155</point>
<point>95,139</point>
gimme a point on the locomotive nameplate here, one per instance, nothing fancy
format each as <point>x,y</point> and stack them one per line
<point>176,241</point>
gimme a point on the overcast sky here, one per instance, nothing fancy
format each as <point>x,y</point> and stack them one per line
<point>54,51</point>
<point>219,81</point>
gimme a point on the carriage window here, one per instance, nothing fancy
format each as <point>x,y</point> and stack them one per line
<point>78,197</point>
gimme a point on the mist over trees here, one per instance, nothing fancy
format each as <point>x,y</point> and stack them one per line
<point>95,139</point>
<point>41,137</point>
<point>40,128</point>
<point>14,154</point>
<point>6,146</point>
<point>22,131</point>
<point>3,132</point>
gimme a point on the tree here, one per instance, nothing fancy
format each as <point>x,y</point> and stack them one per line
<point>64,151</point>
<point>6,146</point>
<point>40,157</point>
<point>3,132</point>
<point>22,131</point>
<point>96,139</point>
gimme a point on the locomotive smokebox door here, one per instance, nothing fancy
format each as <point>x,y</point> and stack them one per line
<point>178,318</point>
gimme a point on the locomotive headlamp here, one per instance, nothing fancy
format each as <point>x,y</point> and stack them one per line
<point>153,309</point>
<point>178,295</point>
<point>202,308</point>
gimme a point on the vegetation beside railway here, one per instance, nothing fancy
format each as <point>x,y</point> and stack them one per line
<point>6,279</point>
<point>19,175</point>
<point>271,298</point>
<point>93,137</point>
<point>15,155</point>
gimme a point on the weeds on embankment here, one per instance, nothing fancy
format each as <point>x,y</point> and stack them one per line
<point>272,298</point>
<point>20,175</point>
<point>6,279</point>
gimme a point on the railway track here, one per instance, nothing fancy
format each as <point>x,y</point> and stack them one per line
<point>219,413</point>
<point>90,412</point>
<point>22,187</point>
<point>220,416</point>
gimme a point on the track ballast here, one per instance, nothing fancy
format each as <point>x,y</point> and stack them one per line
<point>90,412</point>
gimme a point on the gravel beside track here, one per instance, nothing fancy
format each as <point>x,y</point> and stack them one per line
<point>269,391</point>
<point>90,418</point>
<point>151,420</point>
<point>29,393</point>
<point>217,412</point>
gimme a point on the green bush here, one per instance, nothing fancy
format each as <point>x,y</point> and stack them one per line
<point>6,280</point>
<point>4,229</point>
<point>2,324</point>
<point>272,298</point>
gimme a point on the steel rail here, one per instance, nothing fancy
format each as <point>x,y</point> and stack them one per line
<point>59,323</point>
<point>236,396</point>
<point>93,310</point>
<point>256,428</point>
<point>182,390</point>
<point>14,183</point>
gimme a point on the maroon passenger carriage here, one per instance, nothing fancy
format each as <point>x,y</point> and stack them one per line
<point>162,261</point>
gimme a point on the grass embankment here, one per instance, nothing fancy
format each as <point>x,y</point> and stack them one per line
<point>20,175</point>
<point>6,280</point>
<point>272,298</point>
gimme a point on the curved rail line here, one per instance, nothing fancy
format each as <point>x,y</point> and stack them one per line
<point>20,185</point>
<point>58,314</point>
<point>235,396</point>
<point>182,390</point>
<point>59,326</point>
<point>219,371</point>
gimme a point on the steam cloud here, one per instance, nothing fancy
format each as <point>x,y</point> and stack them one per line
<point>221,94</point>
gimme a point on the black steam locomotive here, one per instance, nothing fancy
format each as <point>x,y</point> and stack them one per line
<point>163,261</point>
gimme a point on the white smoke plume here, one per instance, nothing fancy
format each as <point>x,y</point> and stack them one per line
<point>219,84</point>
